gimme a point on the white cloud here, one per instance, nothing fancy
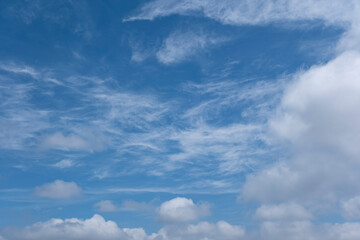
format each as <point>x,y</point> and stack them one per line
<point>97,227</point>
<point>203,230</point>
<point>293,230</point>
<point>351,208</point>
<point>305,230</point>
<point>178,46</point>
<point>19,69</point>
<point>59,190</point>
<point>345,231</point>
<point>106,206</point>
<point>182,210</point>
<point>252,12</point>
<point>71,142</point>
<point>285,211</point>
<point>94,228</point>
<point>319,116</point>
<point>320,107</point>
<point>65,163</point>
<point>230,147</point>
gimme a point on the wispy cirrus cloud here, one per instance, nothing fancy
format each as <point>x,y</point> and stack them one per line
<point>251,12</point>
<point>179,45</point>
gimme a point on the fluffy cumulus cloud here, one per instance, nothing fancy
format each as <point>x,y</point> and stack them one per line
<point>182,210</point>
<point>59,190</point>
<point>94,228</point>
<point>97,227</point>
<point>319,116</point>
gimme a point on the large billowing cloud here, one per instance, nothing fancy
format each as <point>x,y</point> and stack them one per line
<point>319,116</point>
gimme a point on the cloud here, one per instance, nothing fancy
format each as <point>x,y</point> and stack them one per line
<point>289,211</point>
<point>20,69</point>
<point>106,206</point>
<point>203,230</point>
<point>295,230</point>
<point>178,46</point>
<point>65,163</point>
<point>351,208</point>
<point>292,230</point>
<point>321,104</point>
<point>72,142</point>
<point>98,228</point>
<point>251,12</point>
<point>182,210</point>
<point>346,231</point>
<point>94,228</point>
<point>230,146</point>
<point>59,190</point>
<point>318,116</point>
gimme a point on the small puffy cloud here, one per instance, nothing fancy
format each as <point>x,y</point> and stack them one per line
<point>203,230</point>
<point>180,45</point>
<point>182,210</point>
<point>94,228</point>
<point>351,208</point>
<point>58,190</point>
<point>66,163</point>
<point>106,206</point>
<point>290,211</point>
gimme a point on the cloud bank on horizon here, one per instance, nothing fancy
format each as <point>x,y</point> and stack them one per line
<point>180,120</point>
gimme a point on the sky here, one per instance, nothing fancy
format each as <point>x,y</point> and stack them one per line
<point>180,120</point>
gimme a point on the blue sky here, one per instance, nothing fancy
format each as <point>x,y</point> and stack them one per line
<point>162,119</point>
